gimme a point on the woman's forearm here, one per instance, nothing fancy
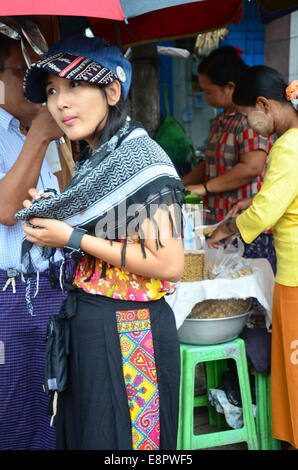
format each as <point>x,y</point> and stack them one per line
<point>159,263</point>
<point>250,165</point>
<point>235,178</point>
<point>164,260</point>
<point>196,176</point>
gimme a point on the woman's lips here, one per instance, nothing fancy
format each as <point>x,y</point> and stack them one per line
<point>68,121</point>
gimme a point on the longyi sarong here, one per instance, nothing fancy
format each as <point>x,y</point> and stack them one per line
<point>24,422</point>
<point>124,365</point>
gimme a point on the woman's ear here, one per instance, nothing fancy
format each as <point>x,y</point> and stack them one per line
<point>231,86</point>
<point>263,104</point>
<point>113,91</point>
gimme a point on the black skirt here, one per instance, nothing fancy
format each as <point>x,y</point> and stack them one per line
<point>95,412</point>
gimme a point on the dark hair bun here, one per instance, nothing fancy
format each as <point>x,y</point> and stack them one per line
<point>223,65</point>
<point>260,80</point>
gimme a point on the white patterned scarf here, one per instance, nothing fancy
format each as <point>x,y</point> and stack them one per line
<point>123,182</point>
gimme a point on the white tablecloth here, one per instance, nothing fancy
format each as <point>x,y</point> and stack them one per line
<point>259,284</point>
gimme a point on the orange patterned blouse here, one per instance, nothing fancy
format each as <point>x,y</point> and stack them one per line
<point>120,283</point>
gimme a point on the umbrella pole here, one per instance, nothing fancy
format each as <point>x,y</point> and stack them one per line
<point>117,35</point>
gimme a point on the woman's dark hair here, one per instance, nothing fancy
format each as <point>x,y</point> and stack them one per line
<point>260,80</point>
<point>117,116</point>
<point>223,65</point>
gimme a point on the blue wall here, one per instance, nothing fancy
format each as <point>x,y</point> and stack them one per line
<point>247,34</point>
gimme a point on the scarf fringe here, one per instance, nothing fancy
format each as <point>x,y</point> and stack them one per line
<point>93,180</point>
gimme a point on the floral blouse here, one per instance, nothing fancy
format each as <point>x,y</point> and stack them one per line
<point>120,284</point>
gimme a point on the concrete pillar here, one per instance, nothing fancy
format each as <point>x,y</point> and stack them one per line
<point>293,54</point>
<point>277,45</point>
<point>145,105</point>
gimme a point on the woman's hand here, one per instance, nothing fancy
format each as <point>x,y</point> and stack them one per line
<point>239,207</point>
<point>219,234</point>
<point>196,189</point>
<point>225,231</point>
<point>36,195</point>
<point>50,232</point>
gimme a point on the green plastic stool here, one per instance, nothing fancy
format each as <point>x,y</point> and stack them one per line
<point>214,370</point>
<point>263,415</point>
<point>191,355</point>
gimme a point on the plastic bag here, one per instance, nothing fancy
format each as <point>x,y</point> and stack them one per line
<point>192,216</point>
<point>203,228</point>
<point>192,243</point>
<point>226,262</point>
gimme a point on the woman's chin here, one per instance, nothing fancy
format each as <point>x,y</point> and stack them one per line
<point>74,135</point>
<point>263,133</point>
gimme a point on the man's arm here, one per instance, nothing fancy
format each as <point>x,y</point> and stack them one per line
<point>25,172</point>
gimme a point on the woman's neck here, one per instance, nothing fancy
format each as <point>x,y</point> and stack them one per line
<point>230,109</point>
<point>290,123</point>
<point>287,119</point>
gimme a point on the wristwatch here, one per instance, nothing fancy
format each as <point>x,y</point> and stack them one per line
<point>206,189</point>
<point>75,239</point>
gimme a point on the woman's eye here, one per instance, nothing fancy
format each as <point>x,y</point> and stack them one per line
<point>74,83</point>
<point>51,91</point>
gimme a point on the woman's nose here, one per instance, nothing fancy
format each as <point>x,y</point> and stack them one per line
<point>62,99</point>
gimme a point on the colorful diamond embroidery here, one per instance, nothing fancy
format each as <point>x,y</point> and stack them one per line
<point>139,372</point>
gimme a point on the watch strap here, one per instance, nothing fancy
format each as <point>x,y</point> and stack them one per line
<point>75,239</point>
<point>206,189</point>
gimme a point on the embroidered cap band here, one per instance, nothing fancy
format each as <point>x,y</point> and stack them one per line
<point>65,66</point>
<point>83,59</point>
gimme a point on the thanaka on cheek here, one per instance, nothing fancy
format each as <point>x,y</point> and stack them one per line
<point>261,123</point>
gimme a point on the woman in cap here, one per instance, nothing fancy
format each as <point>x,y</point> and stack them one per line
<point>235,155</point>
<point>121,215</point>
<point>263,95</point>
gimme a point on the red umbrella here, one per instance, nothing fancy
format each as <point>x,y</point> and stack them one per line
<point>184,19</point>
<point>110,9</point>
<point>145,20</point>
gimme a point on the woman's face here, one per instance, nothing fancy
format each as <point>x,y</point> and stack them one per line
<point>259,118</point>
<point>79,108</point>
<point>215,95</point>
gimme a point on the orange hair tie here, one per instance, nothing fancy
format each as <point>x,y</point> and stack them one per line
<point>292,90</point>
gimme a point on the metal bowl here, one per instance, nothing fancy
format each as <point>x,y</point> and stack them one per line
<point>211,330</point>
